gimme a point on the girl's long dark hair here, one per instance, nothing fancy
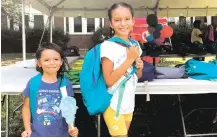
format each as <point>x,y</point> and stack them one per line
<point>120,4</point>
<point>115,6</point>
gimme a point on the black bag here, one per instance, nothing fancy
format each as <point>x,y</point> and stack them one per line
<point>71,51</point>
<point>181,49</point>
<point>152,50</point>
<point>198,48</point>
<point>211,47</point>
<point>166,49</point>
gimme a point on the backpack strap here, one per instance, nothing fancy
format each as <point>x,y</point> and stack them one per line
<point>122,85</point>
<point>34,86</point>
<point>63,85</point>
<point>119,40</point>
<point>121,88</point>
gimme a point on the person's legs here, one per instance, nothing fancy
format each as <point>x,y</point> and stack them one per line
<point>116,125</point>
<point>128,119</point>
<point>128,123</point>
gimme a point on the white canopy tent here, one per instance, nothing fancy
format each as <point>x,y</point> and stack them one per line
<point>98,8</point>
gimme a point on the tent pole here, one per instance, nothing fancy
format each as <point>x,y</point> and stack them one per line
<point>51,28</point>
<point>167,12</point>
<point>156,7</point>
<point>59,3</point>
<point>167,24</point>
<point>186,29</point>
<point>44,3</point>
<point>23,31</point>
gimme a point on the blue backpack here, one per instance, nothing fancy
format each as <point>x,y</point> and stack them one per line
<point>201,70</point>
<point>34,86</point>
<point>92,84</point>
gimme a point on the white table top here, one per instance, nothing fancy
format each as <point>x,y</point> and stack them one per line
<point>15,77</point>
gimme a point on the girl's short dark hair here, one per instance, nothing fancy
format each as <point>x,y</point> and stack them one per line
<point>116,5</point>
<point>55,47</point>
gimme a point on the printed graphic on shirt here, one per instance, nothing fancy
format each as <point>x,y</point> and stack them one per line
<point>48,112</point>
<point>120,59</point>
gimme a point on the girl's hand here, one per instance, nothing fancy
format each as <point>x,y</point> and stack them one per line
<point>26,133</point>
<point>133,52</point>
<point>73,131</point>
<point>139,64</point>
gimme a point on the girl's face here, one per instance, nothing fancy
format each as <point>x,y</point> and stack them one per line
<point>122,21</point>
<point>50,61</point>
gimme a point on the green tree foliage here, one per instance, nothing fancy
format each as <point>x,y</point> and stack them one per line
<point>12,9</point>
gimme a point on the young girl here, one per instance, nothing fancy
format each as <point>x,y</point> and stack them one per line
<point>117,62</point>
<point>47,120</point>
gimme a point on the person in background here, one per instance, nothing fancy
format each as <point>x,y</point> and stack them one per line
<point>197,36</point>
<point>209,35</point>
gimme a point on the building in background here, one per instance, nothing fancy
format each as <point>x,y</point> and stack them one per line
<point>79,28</point>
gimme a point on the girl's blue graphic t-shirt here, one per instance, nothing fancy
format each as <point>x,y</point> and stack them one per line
<point>48,120</point>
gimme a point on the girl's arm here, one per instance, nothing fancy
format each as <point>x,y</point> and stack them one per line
<point>26,114</point>
<point>199,33</point>
<point>112,76</point>
<point>73,131</point>
<point>139,66</point>
<point>139,73</point>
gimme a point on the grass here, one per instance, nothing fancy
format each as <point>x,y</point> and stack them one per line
<point>8,59</point>
<point>16,123</point>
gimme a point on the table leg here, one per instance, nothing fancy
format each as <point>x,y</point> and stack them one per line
<point>7,115</point>
<point>98,125</point>
<point>182,117</point>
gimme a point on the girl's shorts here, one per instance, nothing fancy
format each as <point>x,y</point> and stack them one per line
<point>116,125</point>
